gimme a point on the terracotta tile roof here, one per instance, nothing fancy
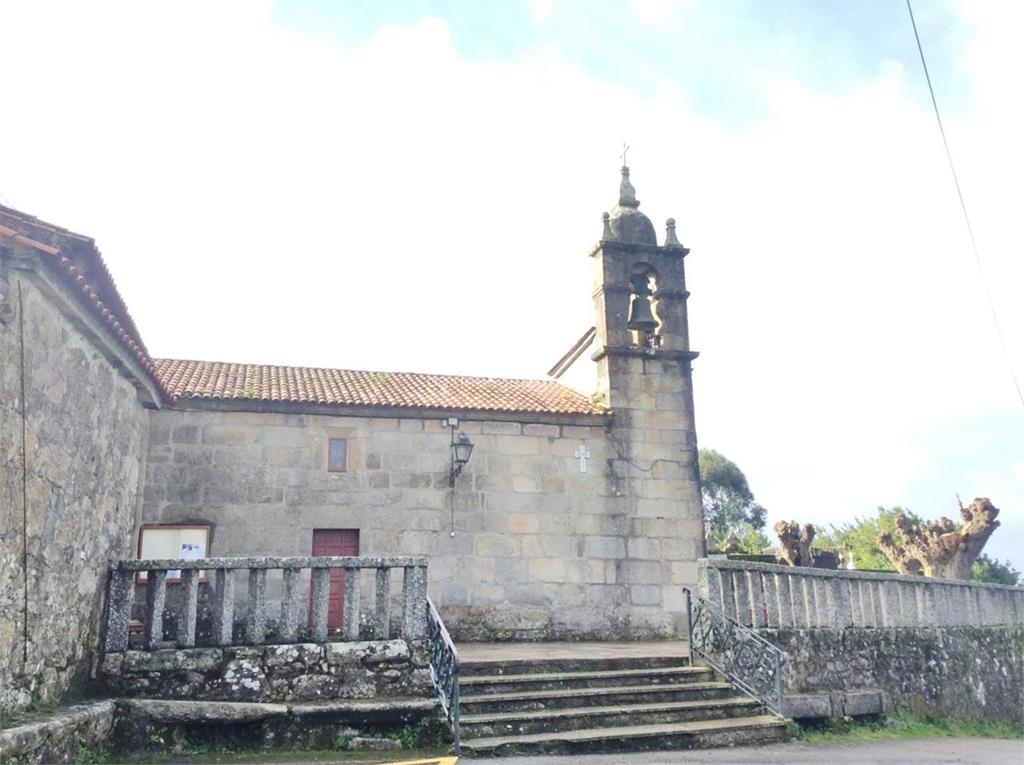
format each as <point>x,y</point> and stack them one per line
<point>252,382</point>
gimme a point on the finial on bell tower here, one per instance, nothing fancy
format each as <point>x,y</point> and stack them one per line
<point>627,194</point>
<point>670,234</point>
<point>607,235</point>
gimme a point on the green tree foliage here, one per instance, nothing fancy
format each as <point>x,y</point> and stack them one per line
<point>859,538</point>
<point>744,538</point>
<point>727,499</point>
<point>986,569</point>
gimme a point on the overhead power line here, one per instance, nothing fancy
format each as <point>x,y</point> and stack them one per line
<point>963,209</point>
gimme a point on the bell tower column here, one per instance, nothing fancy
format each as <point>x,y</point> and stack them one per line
<point>643,354</point>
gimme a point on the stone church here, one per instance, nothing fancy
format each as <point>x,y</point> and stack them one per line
<point>576,516</point>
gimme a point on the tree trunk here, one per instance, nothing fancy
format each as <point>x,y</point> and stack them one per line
<point>939,548</point>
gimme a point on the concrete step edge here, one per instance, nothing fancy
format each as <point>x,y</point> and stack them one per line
<point>670,706</point>
<point>601,675</point>
<point>571,692</point>
<point>758,722</point>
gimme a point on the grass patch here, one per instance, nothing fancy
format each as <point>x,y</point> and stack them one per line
<point>902,726</point>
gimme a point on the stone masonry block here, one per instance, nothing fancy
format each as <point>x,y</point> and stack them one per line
<point>547,570</point>
<point>523,523</point>
<point>496,546</point>
<point>604,547</point>
<point>645,595</point>
<point>517,445</point>
<point>642,571</point>
<point>548,431</point>
<point>649,549</point>
<point>501,428</point>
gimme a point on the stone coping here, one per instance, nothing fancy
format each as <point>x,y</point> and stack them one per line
<point>157,564</point>
<point>177,711</point>
<point>774,568</point>
<point>35,729</point>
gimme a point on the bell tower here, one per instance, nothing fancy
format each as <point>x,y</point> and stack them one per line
<point>642,350</point>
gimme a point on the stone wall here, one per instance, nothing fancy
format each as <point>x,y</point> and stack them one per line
<point>525,546</point>
<point>77,482</point>
<point>964,672</point>
<point>927,646</point>
<point>275,673</point>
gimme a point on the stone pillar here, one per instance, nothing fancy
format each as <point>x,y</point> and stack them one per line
<point>782,588</point>
<point>414,618</point>
<point>382,604</point>
<point>156,592</point>
<point>120,594</point>
<point>223,607</point>
<point>321,592</point>
<point>810,614</point>
<point>771,599</point>
<point>189,606</point>
<point>256,615</point>
<point>742,585</point>
<point>841,609</point>
<point>291,603</point>
<point>350,610</point>
<point>856,615</point>
<point>757,600</point>
<point>728,593</point>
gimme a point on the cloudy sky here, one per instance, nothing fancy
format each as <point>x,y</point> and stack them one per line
<point>416,185</point>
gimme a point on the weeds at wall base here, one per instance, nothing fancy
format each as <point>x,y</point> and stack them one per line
<point>902,726</point>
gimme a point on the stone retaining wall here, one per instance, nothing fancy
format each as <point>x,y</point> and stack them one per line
<point>64,735</point>
<point>272,673</point>
<point>858,642</point>
<point>964,672</point>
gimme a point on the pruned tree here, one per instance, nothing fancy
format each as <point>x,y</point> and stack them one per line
<point>941,548</point>
<point>795,543</point>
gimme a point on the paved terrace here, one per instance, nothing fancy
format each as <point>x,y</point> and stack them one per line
<point>473,652</point>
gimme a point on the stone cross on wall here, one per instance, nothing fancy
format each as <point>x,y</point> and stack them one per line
<point>582,455</point>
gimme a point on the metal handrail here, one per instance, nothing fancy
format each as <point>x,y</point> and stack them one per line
<point>747,660</point>
<point>444,669</point>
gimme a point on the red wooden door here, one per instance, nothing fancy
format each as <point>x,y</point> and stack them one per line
<point>335,542</point>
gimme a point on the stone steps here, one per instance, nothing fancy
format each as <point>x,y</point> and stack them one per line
<point>573,697</point>
<point>566,705</point>
<point>483,684</point>
<point>566,664</point>
<point>577,718</point>
<point>735,731</point>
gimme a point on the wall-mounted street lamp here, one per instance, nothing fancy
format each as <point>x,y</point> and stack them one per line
<point>462,450</point>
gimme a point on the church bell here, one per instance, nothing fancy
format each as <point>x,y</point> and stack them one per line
<point>641,319</point>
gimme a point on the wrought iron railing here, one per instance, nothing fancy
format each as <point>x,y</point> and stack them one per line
<point>746,659</point>
<point>444,669</point>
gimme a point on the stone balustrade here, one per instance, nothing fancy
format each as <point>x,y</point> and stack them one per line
<point>296,599</point>
<point>764,595</point>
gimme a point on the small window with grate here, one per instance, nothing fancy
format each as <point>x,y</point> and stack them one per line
<point>337,455</point>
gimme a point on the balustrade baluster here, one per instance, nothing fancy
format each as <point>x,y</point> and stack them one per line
<point>224,607</point>
<point>382,604</point>
<point>290,605</point>
<point>189,606</point>
<point>321,592</point>
<point>414,618</point>
<point>120,594</point>
<point>156,592</point>
<point>256,614</point>
<point>350,611</point>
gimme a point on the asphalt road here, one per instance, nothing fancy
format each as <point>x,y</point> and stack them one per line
<point>929,751</point>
